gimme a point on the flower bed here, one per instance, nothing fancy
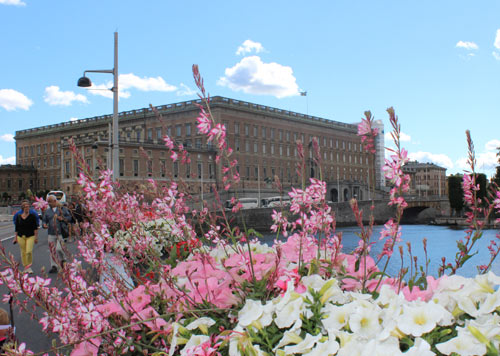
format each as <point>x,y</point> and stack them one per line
<point>195,284</point>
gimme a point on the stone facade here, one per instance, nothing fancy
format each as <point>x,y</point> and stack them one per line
<point>16,180</point>
<point>427,179</point>
<point>263,139</point>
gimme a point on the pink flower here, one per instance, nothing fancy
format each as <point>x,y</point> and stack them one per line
<point>139,298</point>
<point>87,348</point>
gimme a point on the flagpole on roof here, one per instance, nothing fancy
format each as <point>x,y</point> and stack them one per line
<point>304,93</point>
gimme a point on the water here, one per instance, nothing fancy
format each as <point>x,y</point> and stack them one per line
<point>441,242</point>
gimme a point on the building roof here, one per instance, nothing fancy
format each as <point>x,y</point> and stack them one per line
<point>191,105</point>
<point>419,165</point>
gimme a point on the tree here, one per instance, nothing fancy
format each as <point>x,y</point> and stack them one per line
<point>496,177</point>
<point>456,192</point>
<point>483,184</point>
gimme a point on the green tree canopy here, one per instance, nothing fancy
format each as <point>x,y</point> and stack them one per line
<point>456,192</point>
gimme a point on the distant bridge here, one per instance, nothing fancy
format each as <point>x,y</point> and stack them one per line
<point>425,208</point>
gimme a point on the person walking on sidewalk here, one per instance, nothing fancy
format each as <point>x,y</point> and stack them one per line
<point>26,234</point>
<point>54,219</point>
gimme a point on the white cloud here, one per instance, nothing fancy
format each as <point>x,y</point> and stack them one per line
<point>54,96</point>
<point>185,90</point>
<point>496,55</point>
<point>11,99</point>
<point>128,81</point>
<point>12,2</point>
<point>131,81</point>
<point>8,160</point>
<point>74,119</point>
<point>252,76</point>
<point>485,163</point>
<point>492,145</point>
<point>497,40</point>
<point>249,46</point>
<point>467,45</point>
<point>7,138</point>
<point>403,137</point>
<point>439,159</point>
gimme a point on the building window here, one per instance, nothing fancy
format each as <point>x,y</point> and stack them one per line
<point>237,144</point>
<point>150,134</point>
<point>67,169</point>
<point>188,129</point>
<point>255,148</point>
<point>158,133</point>
<point>197,143</point>
<point>178,130</point>
<point>136,167</point>
<point>200,169</point>
<point>247,172</point>
<point>263,147</point>
<point>38,150</point>
<point>150,168</point>
<point>20,184</point>
<point>188,170</point>
<point>163,167</point>
<point>138,135</point>
<point>256,172</point>
<point>247,146</point>
<point>247,129</point>
<point>176,169</point>
<point>255,131</point>
<point>210,170</point>
<point>272,148</point>
<point>236,128</point>
<point>280,135</point>
<point>45,148</point>
<point>272,133</point>
<point>20,151</point>
<point>263,132</point>
<point>288,151</point>
<point>122,168</point>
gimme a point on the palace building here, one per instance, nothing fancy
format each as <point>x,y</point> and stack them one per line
<point>263,139</point>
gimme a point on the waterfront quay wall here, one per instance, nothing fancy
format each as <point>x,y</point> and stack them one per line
<point>260,218</point>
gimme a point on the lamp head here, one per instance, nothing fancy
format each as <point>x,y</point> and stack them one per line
<point>84,82</point>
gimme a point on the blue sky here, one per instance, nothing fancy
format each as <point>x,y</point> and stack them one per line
<point>436,62</point>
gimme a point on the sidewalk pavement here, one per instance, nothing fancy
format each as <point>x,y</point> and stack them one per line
<point>5,217</point>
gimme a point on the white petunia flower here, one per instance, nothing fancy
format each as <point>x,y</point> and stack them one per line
<point>289,313</point>
<point>194,340</point>
<point>375,347</point>
<point>327,348</point>
<point>251,311</point>
<point>337,316</point>
<point>420,348</point>
<point>463,344</point>
<point>365,322</point>
<point>419,318</point>
<point>288,338</point>
<point>314,281</point>
<point>490,304</point>
<point>200,322</point>
<point>303,346</point>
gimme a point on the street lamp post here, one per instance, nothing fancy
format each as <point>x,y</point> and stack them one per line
<point>85,82</point>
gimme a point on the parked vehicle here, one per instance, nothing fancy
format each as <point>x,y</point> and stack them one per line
<point>59,194</point>
<point>246,203</point>
<point>277,201</point>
